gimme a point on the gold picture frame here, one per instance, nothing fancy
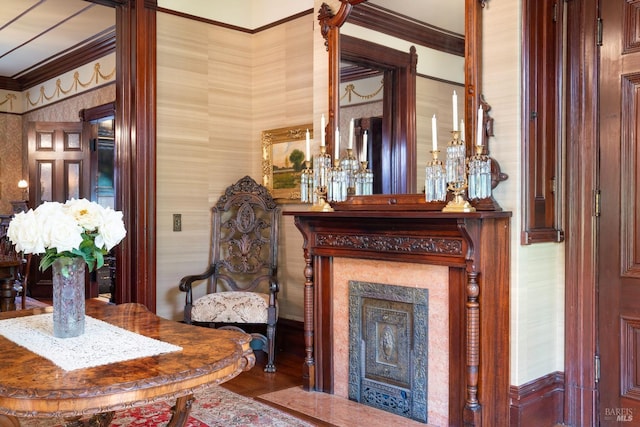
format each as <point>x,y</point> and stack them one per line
<point>283,155</point>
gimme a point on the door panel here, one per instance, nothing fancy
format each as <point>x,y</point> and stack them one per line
<point>58,171</point>
<point>619,238</point>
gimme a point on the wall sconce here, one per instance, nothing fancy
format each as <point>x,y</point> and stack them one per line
<point>24,186</point>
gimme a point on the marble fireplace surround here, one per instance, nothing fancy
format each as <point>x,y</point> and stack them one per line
<point>432,277</point>
<point>474,250</point>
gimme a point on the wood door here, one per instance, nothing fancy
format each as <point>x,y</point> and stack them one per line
<point>58,170</point>
<point>619,225</point>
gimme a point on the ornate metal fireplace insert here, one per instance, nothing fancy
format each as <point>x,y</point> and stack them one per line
<point>388,331</point>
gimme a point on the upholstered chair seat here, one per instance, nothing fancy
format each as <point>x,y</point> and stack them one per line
<point>231,307</point>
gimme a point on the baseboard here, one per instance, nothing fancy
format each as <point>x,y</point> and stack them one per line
<point>290,337</point>
<point>538,403</point>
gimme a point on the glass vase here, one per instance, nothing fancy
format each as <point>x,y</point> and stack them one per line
<point>68,297</point>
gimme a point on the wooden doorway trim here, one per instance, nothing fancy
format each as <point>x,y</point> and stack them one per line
<point>135,152</point>
<point>581,229</point>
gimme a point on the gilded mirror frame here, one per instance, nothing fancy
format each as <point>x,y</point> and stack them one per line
<point>330,24</point>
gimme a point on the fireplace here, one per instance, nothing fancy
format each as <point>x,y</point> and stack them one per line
<point>471,249</point>
<point>388,348</point>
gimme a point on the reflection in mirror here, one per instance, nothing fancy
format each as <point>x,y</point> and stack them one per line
<point>392,139</point>
<point>400,63</point>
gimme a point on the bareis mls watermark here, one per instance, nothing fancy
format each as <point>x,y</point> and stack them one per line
<point>618,414</point>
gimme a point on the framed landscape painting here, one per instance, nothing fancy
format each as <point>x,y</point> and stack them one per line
<point>283,159</point>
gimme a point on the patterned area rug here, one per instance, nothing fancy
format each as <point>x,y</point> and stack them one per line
<point>215,407</point>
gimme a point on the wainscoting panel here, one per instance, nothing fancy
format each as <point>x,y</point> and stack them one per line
<point>538,403</point>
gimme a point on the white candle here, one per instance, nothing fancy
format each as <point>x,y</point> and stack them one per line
<point>462,130</point>
<point>322,131</point>
<point>308,152</point>
<point>434,133</point>
<point>337,142</point>
<point>480,113</point>
<point>364,146</point>
<point>455,111</point>
<point>350,146</point>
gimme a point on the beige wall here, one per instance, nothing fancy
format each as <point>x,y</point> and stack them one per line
<point>217,90</point>
<point>537,271</point>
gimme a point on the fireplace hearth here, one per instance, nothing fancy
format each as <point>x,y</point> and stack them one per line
<point>388,348</point>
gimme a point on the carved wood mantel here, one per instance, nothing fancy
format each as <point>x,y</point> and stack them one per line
<point>475,248</point>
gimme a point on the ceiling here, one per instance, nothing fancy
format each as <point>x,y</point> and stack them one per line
<point>447,15</point>
<point>35,32</point>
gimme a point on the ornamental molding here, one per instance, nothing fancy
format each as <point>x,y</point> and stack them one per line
<point>361,91</point>
<point>350,91</point>
<point>71,83</point>
<point>398,244</point>
<point>76,86</point>
<point>8,98</point>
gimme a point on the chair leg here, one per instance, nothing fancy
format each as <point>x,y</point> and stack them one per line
<point>271,335</point>
<point>24,296</point>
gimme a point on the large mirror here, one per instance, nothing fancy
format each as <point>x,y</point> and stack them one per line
<point>392,66</point>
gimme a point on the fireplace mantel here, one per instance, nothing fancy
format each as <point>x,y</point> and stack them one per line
<point>475,248</point>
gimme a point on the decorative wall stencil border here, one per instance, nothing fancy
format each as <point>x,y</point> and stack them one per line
<point>10,97</point>
<point>392,243</point>
<point>350,90</point>
<point>59,91</point>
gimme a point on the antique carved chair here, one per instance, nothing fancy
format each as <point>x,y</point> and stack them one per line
<point>13,272</point>
<point>242,275</point>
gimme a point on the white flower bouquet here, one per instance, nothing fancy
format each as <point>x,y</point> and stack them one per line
<point>77,228</point>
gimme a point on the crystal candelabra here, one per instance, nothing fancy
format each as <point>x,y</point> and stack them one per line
<point>350,166</point>
<point>435,183</point>
<point>326,183</point>
<point>307,188</point>
<point>364,180</point>
<point>456,175</point>
<point>321,170</point>
<point>479,175</point>
<point>337,183</point>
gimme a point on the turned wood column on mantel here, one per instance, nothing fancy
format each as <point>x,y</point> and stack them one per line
<point>475,248</point>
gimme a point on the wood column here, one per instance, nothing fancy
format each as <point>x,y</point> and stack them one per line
<point>135,150</point>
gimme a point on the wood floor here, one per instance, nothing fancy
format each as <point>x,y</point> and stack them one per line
<point>283,391</point>
<point>257,382</point>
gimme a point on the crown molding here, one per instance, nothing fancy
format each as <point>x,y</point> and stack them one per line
<point>92,51</point>
<point>406,28</point>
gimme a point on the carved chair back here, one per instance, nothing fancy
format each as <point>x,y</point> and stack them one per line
<point>244,245</point>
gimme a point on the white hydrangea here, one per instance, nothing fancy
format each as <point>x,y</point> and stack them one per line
<point>26,233</point>
<point>88,215</point>
<point>111,229</point>
<point>55,228</point>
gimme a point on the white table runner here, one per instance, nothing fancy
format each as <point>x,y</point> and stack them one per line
<point>101,343</point>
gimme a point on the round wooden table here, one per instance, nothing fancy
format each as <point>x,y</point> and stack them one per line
<point>33,386</point>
